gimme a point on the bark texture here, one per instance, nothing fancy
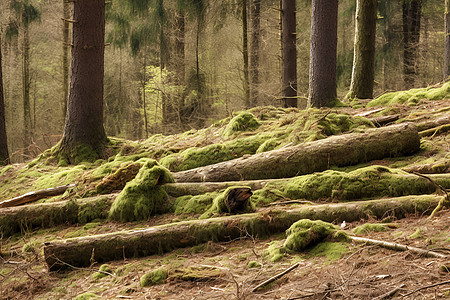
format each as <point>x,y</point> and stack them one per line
<point>84,121</point>
<point>245,53</point>
<point>289,53</point>
<point>66,54</point>
<point>4,154</point>
<point>34,196</point>
<point>447,40</point>
<point>255,43</point>
<point>363,72</point>
<point>322,65</point>
<point>411,15</point>
<point>80,252</point>
<point>26,82</point>
<point>342,150</point>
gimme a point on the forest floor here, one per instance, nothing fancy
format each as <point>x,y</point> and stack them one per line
<point>231,269</point>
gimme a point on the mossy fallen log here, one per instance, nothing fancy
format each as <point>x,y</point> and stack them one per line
<point>154,240</point>
<point>24,218</point>
<point>434,122</point>
<point>341,150</point>
<point>35,195</point>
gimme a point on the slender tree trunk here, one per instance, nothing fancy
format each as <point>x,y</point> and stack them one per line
<point>447,40</point>
<point>255,16</point>
<point>27,135</point>
<point>66,54</point>
<point>144,99</point>
<point>84,131</point>
<point>180,66</point>
<point>322,68</point>
<point>245,53</point>
<point>289,48</point>
<point>412,11</point>
<point>363,73</point>
<point>4,154</point>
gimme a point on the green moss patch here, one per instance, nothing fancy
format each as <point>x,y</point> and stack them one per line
<point>244,121</point>
<point>253,264</point>
<point>87,296</point>
<point>220,204</point>
<point>369,227</point>
<point>157,276</point>
<point>197,273</point>
<point>103,272</point>
<point>332,250</point>
<point>143,196</point>
<point>412,97</point>
<point>194,204</point>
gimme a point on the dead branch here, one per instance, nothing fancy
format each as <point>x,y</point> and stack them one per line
<point>36,195</point>
<point>444,202</point>
<point>390,293</point>
<point>278,276</point>
<point>398,247</point>
<point>427,287</point>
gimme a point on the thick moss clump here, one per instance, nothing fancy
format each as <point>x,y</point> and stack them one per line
<point>369,227</point>
<point>194,204</point>
<point>143,196</point>
<point>412,97</point>
<point>306,232</point>
<point>244,121</point>
<point>368,182</point>
<point>157,276</point>
<point>118,179</point>
<point>221,205</point>
<point>87,296</point>
<point>105,269</point>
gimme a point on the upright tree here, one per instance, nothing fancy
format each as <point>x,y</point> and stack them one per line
<point>411,16</point>
<point>255,44</point>
<point>4,154</point>
<point>84,137</point>
<point>363,72</point>
<point>447,40</point>
<point>322,67</point>
<point>245,52</point>
<point>289,53</point>
<point>66,53</point>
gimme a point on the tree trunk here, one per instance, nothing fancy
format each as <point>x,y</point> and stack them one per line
<point>26,82</point>
<point>289,53</point>
<point>245,53</point>
<point>66,54</point>
<point>4,154</point>
<point>255,16</point>
<point>322,67</point>
<point>342,150</point>
<point>412,12</point>
<point>84,123</point>
<point>82,251</point>
<point>363,72</point>
<point>447,40</point>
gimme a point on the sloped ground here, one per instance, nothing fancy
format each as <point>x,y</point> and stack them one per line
<point>222,270</point>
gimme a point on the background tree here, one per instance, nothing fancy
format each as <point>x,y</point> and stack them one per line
<point>66,53</point>
<point>255,43</point>
<point>411,17</point>
<point>447,40</point>
<point>4,154</point>
<point>84,137</point>
<point>322,70</point>
<point>289,53</point>
<point>363,73</point>
<point>245,53</point>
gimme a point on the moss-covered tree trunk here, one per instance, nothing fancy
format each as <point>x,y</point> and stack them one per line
<point>364,50</point>
<point>84,136</point>
<point>341,150</point>
<point>154,240</point>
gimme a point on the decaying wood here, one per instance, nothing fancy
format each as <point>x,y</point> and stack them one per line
<point>278,276</point>
<point>441,166</point>
<point>435,130</point>
<point>384,120</point>
<point>391,293</point>
<point>435,122</point>
<point>237,199</point>
<point>35,195</point>
<point>427,287</point>
<point>398,247</point>
<point>43,215</point>
<point>342,150</point>
<point>154,240</point>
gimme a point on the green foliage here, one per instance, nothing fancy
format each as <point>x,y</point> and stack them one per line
<point>157,276</point>
<point>143,196</point>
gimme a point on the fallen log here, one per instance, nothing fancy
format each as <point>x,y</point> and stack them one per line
<point>35,195</point>
<point>435,122</point>
<point>435,130</point>
<point>384,120</point>
<point>305,158</point>
<point>24,218</point>
<point>83,251</point>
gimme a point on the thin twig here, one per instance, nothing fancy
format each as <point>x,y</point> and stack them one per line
<point>272,279</point>
<point>426,287</point>
<point>390,293</point>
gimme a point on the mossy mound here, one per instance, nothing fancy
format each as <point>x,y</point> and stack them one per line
<point>368,182</point>
<point>87,296</point>
<point>142,196</point>
<point>194,204</point>
<point>244,121</point>
<point>412,97</point>
<point>104,270</point>
<point>369,227</point>
<point>194,273</point>
<point>157,276</point>
<point>221,204</point>
<point>118,179</point>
